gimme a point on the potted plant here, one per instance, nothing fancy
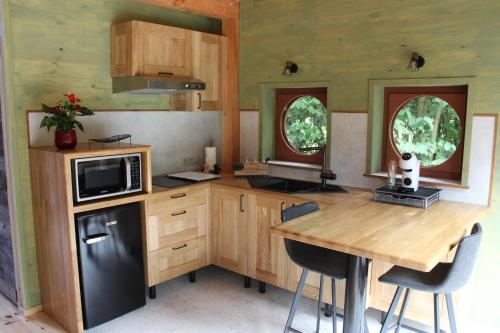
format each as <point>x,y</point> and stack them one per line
<point>62,116</point>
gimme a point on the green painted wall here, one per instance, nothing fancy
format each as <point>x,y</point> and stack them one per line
<point>350,42</point>
<point>54,46</point>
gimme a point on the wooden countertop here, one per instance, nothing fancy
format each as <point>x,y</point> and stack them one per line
<point>410,237</point>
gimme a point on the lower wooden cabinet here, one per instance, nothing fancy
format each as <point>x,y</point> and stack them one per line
<point>267,257</point>
<point>172,261</point>
<point>176,233</point>
<point>229,229</point>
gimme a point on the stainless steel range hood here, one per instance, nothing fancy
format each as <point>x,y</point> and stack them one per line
<point>156,84</point>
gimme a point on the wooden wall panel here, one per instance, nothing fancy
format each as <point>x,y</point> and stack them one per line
<point>71,39</point>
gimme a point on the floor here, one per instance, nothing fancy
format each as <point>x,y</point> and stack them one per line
<point>216,303</point>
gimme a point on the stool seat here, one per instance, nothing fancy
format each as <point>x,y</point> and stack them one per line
<point>318,259</point>
<point>433,281</point>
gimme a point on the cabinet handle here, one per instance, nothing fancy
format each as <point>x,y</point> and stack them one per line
<point>179,213</point>
<point>177,196</point>
<point>199,101</point>
<point>241,203</point>
<point>179,247</point>
<point>165,73</point>
<point>282,204</point>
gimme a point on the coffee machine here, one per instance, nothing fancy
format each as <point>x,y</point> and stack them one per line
<point>410,166</point>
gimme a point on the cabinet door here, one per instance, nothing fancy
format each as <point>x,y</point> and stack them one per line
<point>121,49</point>
<point>267,256</point>
<point>207,66</point>
<point>229,227</point>
<point>208,58</point>
<point>161,49</point>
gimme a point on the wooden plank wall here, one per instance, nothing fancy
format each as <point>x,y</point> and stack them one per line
<point>349,43</point>
<point>55,46</point>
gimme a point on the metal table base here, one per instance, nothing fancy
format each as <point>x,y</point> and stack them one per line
<point>355,295</point>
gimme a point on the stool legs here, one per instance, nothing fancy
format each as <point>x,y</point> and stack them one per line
<point>451,313</point>
<point>296,300</point>
<point>403,310</point>
<point>437,325</point>
<point>318,318</point>
<point>334,306</point>
<point>392,309</point>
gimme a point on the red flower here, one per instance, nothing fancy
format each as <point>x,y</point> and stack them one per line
<point>72,98</point>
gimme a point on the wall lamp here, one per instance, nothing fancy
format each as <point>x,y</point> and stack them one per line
<point>416,62</point>
<point>290,68</point>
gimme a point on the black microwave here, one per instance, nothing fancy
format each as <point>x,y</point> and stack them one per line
<point>106,176</point>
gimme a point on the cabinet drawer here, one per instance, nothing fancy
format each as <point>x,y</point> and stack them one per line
<point>169,201</point>
<point>175,260</point>
<point>175,225</point>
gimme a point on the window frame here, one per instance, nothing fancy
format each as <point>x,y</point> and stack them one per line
<point>376,115</point>
<point>284,97</point>
<point>456,96</point>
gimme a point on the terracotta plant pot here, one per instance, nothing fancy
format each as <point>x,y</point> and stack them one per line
<point>65,140</point>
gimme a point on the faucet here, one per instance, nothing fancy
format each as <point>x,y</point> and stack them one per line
<point>325,174</point>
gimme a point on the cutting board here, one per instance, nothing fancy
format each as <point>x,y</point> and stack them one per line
<point>194,176</point>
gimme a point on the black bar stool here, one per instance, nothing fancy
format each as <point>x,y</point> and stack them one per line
<point>326,262</point>
<point>445,279</point>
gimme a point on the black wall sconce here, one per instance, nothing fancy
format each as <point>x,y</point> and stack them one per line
<point>416,62</point>
<point>290,68</point>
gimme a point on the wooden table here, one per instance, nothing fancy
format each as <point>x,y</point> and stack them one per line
<point>410,237</point>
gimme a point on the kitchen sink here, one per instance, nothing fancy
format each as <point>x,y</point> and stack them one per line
<point>291,185</point>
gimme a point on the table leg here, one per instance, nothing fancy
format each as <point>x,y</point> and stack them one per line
<point>355,295</point>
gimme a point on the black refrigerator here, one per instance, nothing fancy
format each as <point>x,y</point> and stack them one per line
<point>109,244</point>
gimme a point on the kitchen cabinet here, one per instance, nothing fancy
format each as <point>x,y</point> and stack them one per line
<point>142,48</point>
<point>208,57</point>
<point>55,232</point>
<point>267,257</point>
<point>176,233</point>
<point>229,229</point>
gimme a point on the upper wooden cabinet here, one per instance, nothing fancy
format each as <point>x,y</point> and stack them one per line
<point>208,59</point>
<point>142,48</point>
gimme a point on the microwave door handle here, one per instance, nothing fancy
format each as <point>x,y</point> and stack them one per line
<point>128,172</point>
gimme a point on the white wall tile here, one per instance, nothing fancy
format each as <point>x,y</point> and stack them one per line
<point>177,138</point>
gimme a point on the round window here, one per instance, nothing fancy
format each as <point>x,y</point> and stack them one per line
<point>429,127</point>
<point>305,124</point>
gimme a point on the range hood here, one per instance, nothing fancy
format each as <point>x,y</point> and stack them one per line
<point>156,84</point>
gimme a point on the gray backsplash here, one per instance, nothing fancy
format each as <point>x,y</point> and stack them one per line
<point>177,138</point>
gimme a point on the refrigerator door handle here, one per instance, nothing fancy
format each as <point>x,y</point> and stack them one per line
<point>92,239</point>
